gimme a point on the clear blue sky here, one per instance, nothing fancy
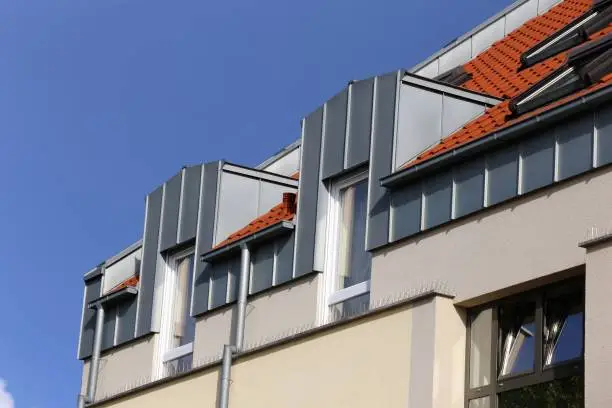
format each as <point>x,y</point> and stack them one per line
<point>102,100</point>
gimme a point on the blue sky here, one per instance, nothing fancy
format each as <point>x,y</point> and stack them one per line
<point>101,101</point>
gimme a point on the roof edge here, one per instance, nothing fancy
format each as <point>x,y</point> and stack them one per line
<point>473,31</point>
<point>497,138</point>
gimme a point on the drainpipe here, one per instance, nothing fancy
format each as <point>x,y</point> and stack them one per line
<point>229,350</point>
<point>245,269</point>
<point>92,380</point>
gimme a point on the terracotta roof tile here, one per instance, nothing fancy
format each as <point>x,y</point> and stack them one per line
<point>496,72</point>
<point>130,282</point>
<point>285,211</point>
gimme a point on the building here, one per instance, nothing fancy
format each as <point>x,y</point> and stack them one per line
<point>437,237</point>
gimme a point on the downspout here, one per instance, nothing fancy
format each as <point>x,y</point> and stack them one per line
<point>229,350</point>
<point>92,379</point>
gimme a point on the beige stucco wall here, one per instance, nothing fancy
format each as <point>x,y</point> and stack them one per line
<point>504,246</point>
<point>365,363</point>
<point>269,315</point>
<point>123,367</point>
<point>449,355</point>
<point>598,327</point>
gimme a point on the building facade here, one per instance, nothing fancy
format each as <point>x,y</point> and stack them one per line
<point>436,237</point>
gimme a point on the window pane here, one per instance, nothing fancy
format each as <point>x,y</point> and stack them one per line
<point>351,307</point>
<point>184,324</point>
<point>480,403</point>
<point>354,262</point>
<point>563,329</point>
<point>180,365</point>
<point>517,341</point>
<point>566,393</point>
<point>480,349</point>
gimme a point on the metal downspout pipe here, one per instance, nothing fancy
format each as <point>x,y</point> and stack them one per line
<point>229,350</point>
<point>92,379</point>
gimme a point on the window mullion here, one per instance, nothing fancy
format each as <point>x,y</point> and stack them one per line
<point>494,356</point>
<point>539,333</point>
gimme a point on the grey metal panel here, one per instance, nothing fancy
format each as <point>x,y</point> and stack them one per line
<point>169,222</point>
<point>238,204</point>
<point>93,290</point>
<point>309,189</point>
<point>270,195</point>
<point>382,156</point>
<point>419,122</point>
<point>262,259</point>
<point>108,330</point>
<point>483,39</point>
<point>575,144</point>
<point>469,187</point>
<point>518,16</point>
<point>189,203</point>
<point>284,258</point>
<point>206,223</point>
<point>360,123</point>
<point>456,113</point>
<point>437,193</point>
<point>234,282</point>
<point>459,55</point>
<point>538,162</point>
<point>148,263</point>
<point>218,293</point>
<point>126,320</point>
<point>502,175</point>
<point>604,136</point>
<point>406,208</point>
<point>334,135</point>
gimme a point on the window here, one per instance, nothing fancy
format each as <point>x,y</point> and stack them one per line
<point>527,351</point>
<point>348,264</point>
<point>177,329</point>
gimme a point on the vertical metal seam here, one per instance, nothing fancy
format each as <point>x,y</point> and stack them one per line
<point>82,321</point>
<point>370,160</point>
<point>144,235</point>
<point>196,250</point>
<point>275,249</point>
<point>485,195</point>
<point>453,210</point>
<point>596,140</point>
<point>347,128</point>
<point>217,199</point>
<point>299,210</point>
<point>180,207</point>
<point>556,157</point>
<point>394,143</point>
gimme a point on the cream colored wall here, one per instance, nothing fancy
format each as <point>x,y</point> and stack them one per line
<point>123,367</point>
<point>598,327</point>
<point>449,356</point>
<point>365,363</point>
<point>195,391</point>
<point>522,240</point>
<point>269,315</point>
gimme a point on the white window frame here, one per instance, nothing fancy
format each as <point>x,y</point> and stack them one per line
<point>332,296</point>
<point>166,352</point>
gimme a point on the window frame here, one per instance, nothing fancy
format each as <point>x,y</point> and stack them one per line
<point>541,373</point>
<point>332,296</point>
<point>166,353</point>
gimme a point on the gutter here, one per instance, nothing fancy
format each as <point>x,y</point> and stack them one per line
<point>264,234</point>
<point>496,139</point>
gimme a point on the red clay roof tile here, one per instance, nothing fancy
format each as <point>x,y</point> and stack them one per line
<point>496,72</point>
<point>130,282</point>
<point>285,211</point>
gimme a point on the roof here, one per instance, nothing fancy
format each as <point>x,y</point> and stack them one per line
<point>285,211</point>
<point>497,72</point>
<point>130,282</point>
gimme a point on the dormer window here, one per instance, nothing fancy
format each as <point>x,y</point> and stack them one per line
<point>348,264</point>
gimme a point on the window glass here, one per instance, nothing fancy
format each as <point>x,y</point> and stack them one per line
<point>563,329</point>
<point>517,340</point>
<point>183,328</point>
<point>480,348</point>
<point>351,307</point>
<point>354,262</point>
<point>566,393</point>
<point>480,403</point>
